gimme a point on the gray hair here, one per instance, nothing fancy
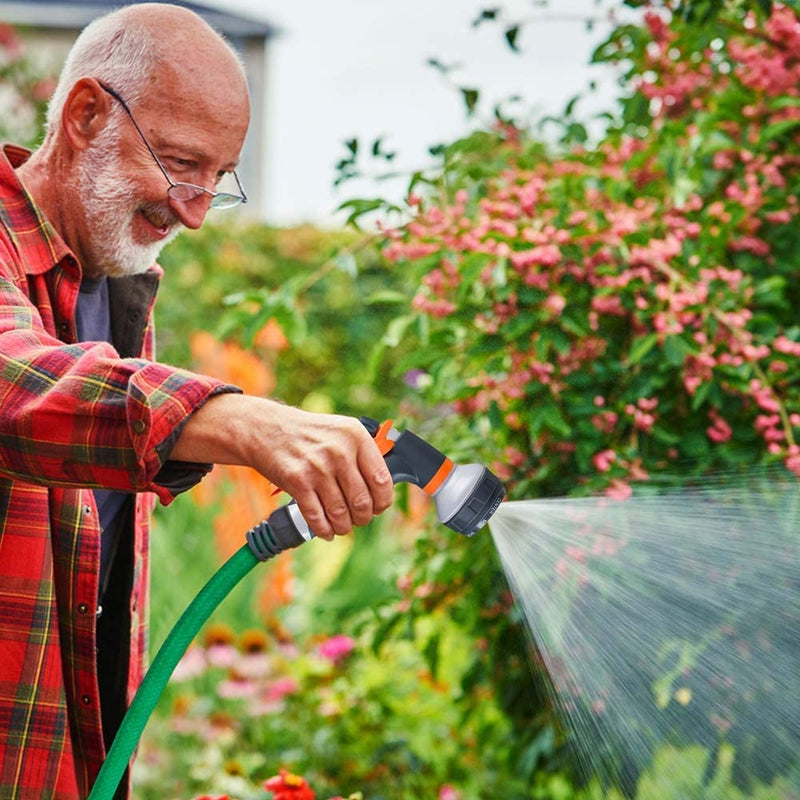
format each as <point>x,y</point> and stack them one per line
<point>111,49</point>
<point>121,52</point>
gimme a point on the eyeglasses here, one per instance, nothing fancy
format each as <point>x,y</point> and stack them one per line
<point>178,190</point>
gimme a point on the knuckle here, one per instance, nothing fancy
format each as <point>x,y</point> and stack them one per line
<point>362,503</point>
<point>338,511</point>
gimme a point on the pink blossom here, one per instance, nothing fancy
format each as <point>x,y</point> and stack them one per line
<point>619,490</point>
<point>192,664</point>
<point>447,792</point>
<point>719,430</point>
<point>602,461</point>
<point>555,304</point>
<point>545,255</point>
<point>282,687</point>
<point>337,648</point>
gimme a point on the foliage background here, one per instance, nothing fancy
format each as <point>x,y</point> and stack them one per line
<point>592,317</point>
<point>582,315</point>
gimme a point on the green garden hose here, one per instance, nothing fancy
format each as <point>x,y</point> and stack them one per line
<point>170,653</point>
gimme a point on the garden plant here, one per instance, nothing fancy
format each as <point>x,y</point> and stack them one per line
<point>596,317</point>
<point>587,315</point>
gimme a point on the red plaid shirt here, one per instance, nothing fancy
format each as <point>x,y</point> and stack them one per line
<point>72,417</point>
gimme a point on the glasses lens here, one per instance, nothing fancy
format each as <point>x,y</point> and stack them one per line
<point>224,200</point>
<point>185,191</point>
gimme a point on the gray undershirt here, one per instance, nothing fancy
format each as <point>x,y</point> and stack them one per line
<point>93,323</point>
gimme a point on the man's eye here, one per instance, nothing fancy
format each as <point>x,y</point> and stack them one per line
<point>183,163</point>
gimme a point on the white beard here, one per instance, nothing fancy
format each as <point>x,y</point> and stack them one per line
<point>110,210</point>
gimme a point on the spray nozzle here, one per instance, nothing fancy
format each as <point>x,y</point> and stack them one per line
<point>465,495</point>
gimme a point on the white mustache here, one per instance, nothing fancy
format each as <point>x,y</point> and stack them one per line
<point>160,216</point>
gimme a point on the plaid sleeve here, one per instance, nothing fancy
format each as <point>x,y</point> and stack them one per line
<point>79,415</point>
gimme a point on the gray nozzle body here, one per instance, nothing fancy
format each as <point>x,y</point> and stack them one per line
<point>468,498</point>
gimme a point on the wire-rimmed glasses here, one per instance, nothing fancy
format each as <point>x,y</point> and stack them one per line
<point>180,190</point>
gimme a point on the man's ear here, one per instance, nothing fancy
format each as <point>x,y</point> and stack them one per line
<point>85,112</point>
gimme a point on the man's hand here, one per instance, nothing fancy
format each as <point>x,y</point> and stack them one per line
<point>328,463</point>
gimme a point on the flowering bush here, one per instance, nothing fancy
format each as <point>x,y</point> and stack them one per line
<point>630,308</point>
<point>617,314</point>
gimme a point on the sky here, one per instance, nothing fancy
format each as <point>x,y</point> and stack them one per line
<point>344,69</point>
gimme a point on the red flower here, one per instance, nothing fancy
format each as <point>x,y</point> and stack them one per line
<point>212,797</point>
<point>287,786</point>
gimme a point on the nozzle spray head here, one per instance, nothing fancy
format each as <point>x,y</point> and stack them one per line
<point>465,495</point>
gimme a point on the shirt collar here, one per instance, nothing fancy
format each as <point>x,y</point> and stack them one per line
<point>41,248</point>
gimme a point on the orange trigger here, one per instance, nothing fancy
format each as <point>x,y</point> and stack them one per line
<point>385,444</point>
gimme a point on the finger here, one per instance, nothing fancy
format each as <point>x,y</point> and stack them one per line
<point>314,514</point>
<point>376,475</point>
<point>336,508</point>
<point>357,495</point>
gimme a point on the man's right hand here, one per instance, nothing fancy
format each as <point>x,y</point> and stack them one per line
<point>328,463</point>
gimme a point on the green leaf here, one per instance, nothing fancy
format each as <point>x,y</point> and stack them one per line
<point>397,329</point>
<point>694,444</point>
<point>431,653</point>
<point>384,630</point>
<point>779,129</point>
<point>641,347</point>
<point>511,35</point>
<point>358,207</point>
<point>675,350</point>
<point>470,99</point>
<point>550,416</point>
<point>487,14</point>
<point>664,436</point>
<point>701,394</point>
<point>386,297</point>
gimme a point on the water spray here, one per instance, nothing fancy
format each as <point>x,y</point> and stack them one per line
<point>465,497</point>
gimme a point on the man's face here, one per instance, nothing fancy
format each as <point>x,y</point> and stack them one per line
<point>127,215</point>
<point>125,231</point>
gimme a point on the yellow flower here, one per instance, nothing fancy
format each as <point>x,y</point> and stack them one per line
<point>684,696</point>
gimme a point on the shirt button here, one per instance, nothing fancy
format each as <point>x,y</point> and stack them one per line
<point>139,426</point>
<point>86,700</point>
<point>87,509</point>
<point>83,608</point>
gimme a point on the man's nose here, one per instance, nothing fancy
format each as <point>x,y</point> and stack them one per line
<point>192,213</point>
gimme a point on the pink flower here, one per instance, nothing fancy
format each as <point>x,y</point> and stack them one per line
<point>337,648</point>
<point>720,431</point>
<point>282,687</point>
<point>447,792</point>
<point>192,664</point>
<point>602,461</point>
<point>555,304</point>
<point>619,490</point>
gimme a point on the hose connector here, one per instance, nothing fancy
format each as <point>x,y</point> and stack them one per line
<point>285,529</point>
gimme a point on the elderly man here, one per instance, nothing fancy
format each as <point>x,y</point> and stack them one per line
<point>144,134</point>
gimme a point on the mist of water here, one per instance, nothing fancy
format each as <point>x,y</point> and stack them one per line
<point>669,625</point>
